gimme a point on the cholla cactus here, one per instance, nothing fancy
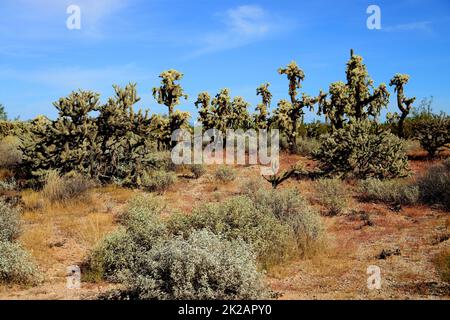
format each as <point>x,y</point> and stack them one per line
<point>170,92</point>
<point>262,116</point>
<point>289,115</point>
<point>353,100</point>
<point>404,104</point>
<point>362,150</point>
<point>206,116</point>
<point>66,144</point>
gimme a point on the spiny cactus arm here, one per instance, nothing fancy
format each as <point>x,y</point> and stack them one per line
<point>276,180</point>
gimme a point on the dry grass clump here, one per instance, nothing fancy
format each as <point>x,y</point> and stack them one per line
<point>10,154</point>
<point>198,170</point>
<point>442,264</point>
<point>333,195</point>
<point>434,185</point>
<point>225,174</point>
<point>69,187</point>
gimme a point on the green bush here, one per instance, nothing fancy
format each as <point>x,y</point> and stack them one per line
<point>238,218</point>
<point>158,181</point>
<point>293,211</point>
<point>362,150</point>
<point>433,133</point>
<point>392,191</point>
<point>434,185</point>
<point>202,267</point>
<point>10,226</point>
<point>198,170</point>
<point>306,146</point>
<point>225,174</point>
<point>16,265</point>
<point>333,195</point>
<point>68,187</point>
<point>10,154</point>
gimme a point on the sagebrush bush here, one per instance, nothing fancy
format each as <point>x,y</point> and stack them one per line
<point>361,150</point>
<point>158,181</point>
<point>201,267</point>
<point>68,187</point>
<point>333,195</point>
<point>225,174</point>
<point>306,146</point>
<point>442,263</point>
<point>10,154</point>
<point>238,218</point>
<point>434,185</point>
<point>16,265</point>
<point>10,225</point>
<point>8,185</point>
<point>293,211</point>
<point>198,170</point>
<point>389,191</point>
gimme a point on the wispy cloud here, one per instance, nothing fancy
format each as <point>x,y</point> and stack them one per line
<point>241,26</point>
<point>424,26</point>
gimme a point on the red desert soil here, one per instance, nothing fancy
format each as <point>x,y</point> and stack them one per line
<point>60,236</point>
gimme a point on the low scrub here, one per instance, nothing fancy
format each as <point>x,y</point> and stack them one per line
<point>306,146</point>
<point>202,267</point>
<point>433,133</point>
<point>389,191</point>
<point>434,185</point>
<point>16,265</point>
<point>68,187</point>
<point>333,195</point>
<point>10,225</point>
<point>198,170</point>
<point>158,181</point>
<point>10,154</point>
<point>225,174</point>
<point>442,264</point>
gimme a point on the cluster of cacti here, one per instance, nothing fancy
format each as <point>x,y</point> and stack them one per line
<point>355,100</point>
<point>13,128</point>
<point>433,133</point>
<point>116,145</point>
<point>362,150</point>
<point>222,113</point>
<point>404,104</point>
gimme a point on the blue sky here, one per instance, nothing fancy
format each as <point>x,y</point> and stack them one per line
<point>216,44</point>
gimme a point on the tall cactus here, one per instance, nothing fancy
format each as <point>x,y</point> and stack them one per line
<point>355,100</point>
<point>262,116</point>
<point>289,115</point>
<point>170,92</point>
<point>404,104</point>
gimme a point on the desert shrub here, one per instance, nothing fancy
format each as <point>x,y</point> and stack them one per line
<point>306,146</point>
<point>392,191</point>
<point>225,174</point>
<point>70,186</point>
<point>158,181</point>
<point>10,154</point>
<point>9,222</point>
<point>442,264</point>
<point>293,211</point>
<point>253,185</point>
<point>16,265</point>
<point>433,133</point>
<point>238,218</point>
<point>8,185</point>
<point>162,160</point>
<point>201,267</point>
<point>412,146</point>
<point>198,170</point>
<point>434,185</point>
<point>362,150</point>
<point>333,195</point>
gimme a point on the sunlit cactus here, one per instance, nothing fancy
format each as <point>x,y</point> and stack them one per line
<point>170,92</point>
<point>262,116</point>
<point>404,104</point>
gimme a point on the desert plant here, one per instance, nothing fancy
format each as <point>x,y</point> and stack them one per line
<point>403,103</point>
<point>16,265</point>
<point>442,263</point>
<point>362,150</point>
<point>201,267</point>
<point>434,185</point>
<point>355,100</point>
<point>333,195</point>
<point>10,154</point>
<point>391,191</point>
<point>198,170</point>
<point>261,119</point>
<point>277,179</point>
<point>433,133</point>
<point>306,146</point>
<point>158,180</point>
<point>10,225</point>
<point>60,189</point>
<point>3,114</point>
<point>225,174</point>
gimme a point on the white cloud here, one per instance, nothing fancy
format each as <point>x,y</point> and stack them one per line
<point>414,26</point>
<point>242,25</point>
